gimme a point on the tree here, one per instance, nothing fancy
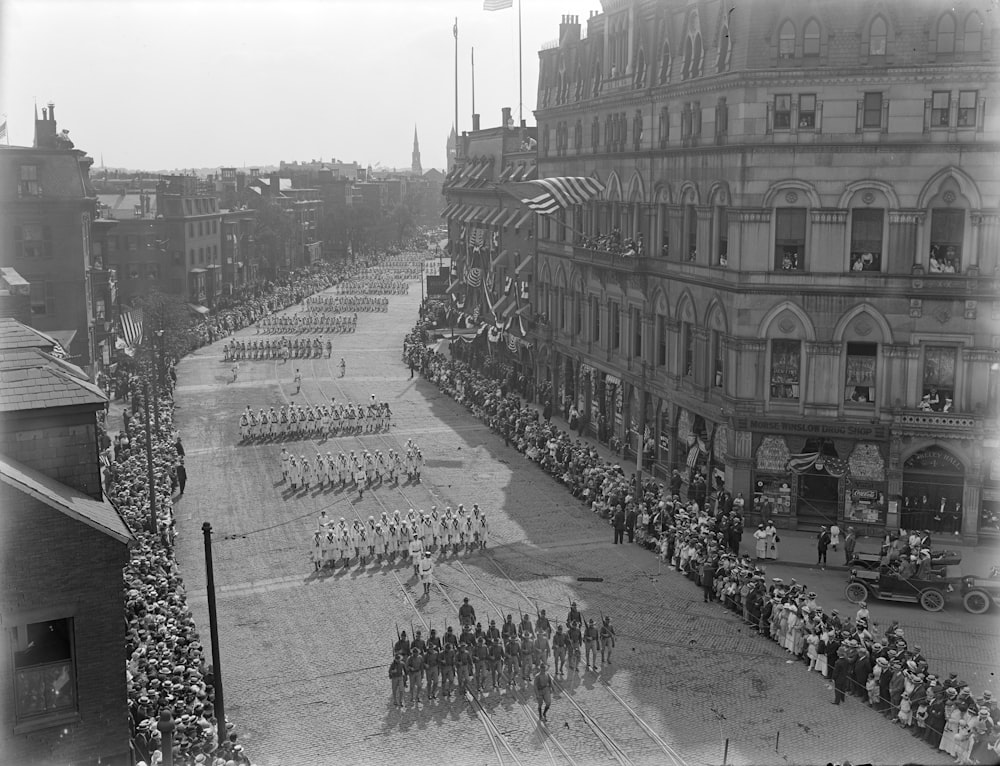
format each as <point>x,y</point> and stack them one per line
<point>169,315</point>
<point>273,231</point>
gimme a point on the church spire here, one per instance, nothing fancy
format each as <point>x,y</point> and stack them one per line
<point>415,167</point>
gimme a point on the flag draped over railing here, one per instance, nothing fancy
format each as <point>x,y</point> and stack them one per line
<point>130,325</point>
<point>549,195</point>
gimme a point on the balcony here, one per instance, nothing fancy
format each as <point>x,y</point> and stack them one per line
<point>937,424</point>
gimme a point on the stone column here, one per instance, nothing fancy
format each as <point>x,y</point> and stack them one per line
<point>752,249</point>
<point>675,228</point>
<point>822,373</point>
<point>904,243</point>
<point>971,496</point>
<point>750,356</point>
<point>739,468</point>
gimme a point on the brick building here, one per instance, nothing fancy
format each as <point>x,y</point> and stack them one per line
<point>491,236</point>
<point>46,210</point>
<point>808,314</point>
<point>64,697</point>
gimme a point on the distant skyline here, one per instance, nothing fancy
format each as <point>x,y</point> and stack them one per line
<point>163,85</point>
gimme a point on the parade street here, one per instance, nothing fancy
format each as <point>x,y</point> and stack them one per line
<point>305,654</point>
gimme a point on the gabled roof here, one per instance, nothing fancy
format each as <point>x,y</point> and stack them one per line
<point>101,516</point>
<point>13,334</point>
<point>31,379</point>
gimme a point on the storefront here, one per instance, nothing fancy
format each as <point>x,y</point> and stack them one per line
<point>933,488</point>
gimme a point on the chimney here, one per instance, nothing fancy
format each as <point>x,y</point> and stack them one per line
<point>569,30</point>
<point>505,119</point>
<point>475,123</point>
<point>524,124</point>
<point>275,184</point>
<point>52,111</point>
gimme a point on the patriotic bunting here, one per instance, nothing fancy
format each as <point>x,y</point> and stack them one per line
<point>549,195</point>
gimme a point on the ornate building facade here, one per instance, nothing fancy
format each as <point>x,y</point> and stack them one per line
<point>791,281</point>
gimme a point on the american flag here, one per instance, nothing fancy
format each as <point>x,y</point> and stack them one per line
<point>131,327</point>
<point>550,195</point>
<point>497,5</point>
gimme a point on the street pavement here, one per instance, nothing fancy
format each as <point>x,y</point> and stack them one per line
<point>305,656</point>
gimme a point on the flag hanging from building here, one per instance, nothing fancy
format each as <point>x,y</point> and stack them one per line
<point>58,351</point>
<point>131,327</point>
<point>497,5</point>
<point>549,195</point>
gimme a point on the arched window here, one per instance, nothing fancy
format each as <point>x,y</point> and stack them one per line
<point>724,49</point>
<point>699,57</point>
<point>946,34</point>
<point>663,75</point>
<point>640,70</point>
<point>810,39</point>
<point>877,34</point>
<point>973,33</point>
<point>688,48</point>
<point>786,41</point>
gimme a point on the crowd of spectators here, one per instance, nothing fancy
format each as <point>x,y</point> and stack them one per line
<point>700,537</point>
<point>614,243</point>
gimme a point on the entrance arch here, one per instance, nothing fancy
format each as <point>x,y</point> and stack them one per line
<point>933,484</point>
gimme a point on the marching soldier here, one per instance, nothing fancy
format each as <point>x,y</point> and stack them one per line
<point>574,615</point>
<point>543,692</point>
<point>416,553</point>
<point>480,656</point>
<point>496,660</point>
<point>463,666</point>
<point>526,651</point>
<point>466,613</point>
<point>512,653</point>
<point>509,629</point>
<point>431,668</point>
<point>575,637</point>
<point>560,644</point>
<point>607,640</point>
<point>447,661</point>
<point>402,645</point>
<point>397,672</point>
<point>542,625</point>
<point>590,638</point>
<point>415,667</point>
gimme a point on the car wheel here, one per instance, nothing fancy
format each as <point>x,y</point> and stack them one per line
<point>932,600</point>
<point>856,592</point>
<point>976,602</point>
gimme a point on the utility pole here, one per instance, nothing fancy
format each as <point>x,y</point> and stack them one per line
<point>213,629</point>
<point>149,463</point>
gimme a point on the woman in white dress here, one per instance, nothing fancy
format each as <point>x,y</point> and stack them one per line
<point>771,540</point>
<point>760,542</point>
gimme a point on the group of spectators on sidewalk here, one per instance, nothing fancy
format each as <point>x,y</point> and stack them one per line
<point>701,537</point>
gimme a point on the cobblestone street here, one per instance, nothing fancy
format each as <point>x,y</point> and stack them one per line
<point>305,655</point>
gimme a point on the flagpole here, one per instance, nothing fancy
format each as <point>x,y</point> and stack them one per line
<point>520,70</point>
<point>457,134</point>
<point>473,83</point>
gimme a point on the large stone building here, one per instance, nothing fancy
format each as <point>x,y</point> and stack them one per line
<point>790,281</point>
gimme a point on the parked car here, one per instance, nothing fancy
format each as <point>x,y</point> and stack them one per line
<point>887,585</point>
<point>980,593</point>
<point>939,560</point>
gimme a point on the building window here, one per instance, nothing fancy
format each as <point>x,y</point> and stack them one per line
<point>807,111</point>
<point>967,108</point>
<point>782,112</point>
<point>32,240</point>
<point>201,231</point>
<point>866,239</point>
<point>946,34</point>
<point>877,35</point>
<point>810,39</point>
<point>44,669</point>
<point>721,235</point>
<point>717,365</point>
<point>687,338</point>
<point>595,318</point>
<point>187,205</point>
<point>37,297</point>
<point>616,325</point>
<point>790,238</point>
<point>696,118</point>
<point>786,41</point>
<point>28,185</point>
<point>785,366</point>
<point>940,106</point>
<point>859,377</point>
<point>152,271</point>
<point>100,309</point>
<point>872,116</point>
<point>691,231</point>
<point>663,75</point>
<point>133,270</point>
<point>947,236</point>
<point>636,334</point>
<point>973,42</point>
<point>939,378</point>
<point>131,243</point>
<point>664,127</point>
<point>201,255</point>
<point>191,228</point>
<point>578,312</point>
<point>661,340</point>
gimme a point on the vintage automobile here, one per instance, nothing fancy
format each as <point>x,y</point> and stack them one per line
<point>939,560</point>
<point>886,585</point>
<point>980,593</point>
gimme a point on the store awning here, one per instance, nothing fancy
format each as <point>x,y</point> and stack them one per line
<point>523,263</point>
<point>510,218</point>
<point>449,210</point>
<point>197,308</point>
<point>498,258</point>
<point>523,218</point>
<point>196,271</point>
<point>495,216</point>
<point>530,173</point>
<point>472,212</point>
<point>507,171</point>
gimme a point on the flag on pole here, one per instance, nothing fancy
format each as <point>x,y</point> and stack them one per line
<point>549,195</point>
<point>497,5</point>
<point>3,128</point>
<point>131,327</point>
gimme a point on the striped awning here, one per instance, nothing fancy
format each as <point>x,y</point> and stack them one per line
<point>480,172</point>
<point>530,173</point>
<point>449,210</point>
<point>500,256</point>
<point>523,218</point>
<point>523,263</point>
<point>495,216</point>
<point>510,218</point>
<point>471,213</point>
<point>507,171</point>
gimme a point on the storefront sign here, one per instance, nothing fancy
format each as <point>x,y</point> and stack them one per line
<point>934,460</point>
<point>855,430</point>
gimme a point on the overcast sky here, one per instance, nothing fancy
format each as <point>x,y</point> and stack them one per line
<point>170,84</point>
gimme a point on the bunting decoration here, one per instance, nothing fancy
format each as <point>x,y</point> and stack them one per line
<point>474,277</point>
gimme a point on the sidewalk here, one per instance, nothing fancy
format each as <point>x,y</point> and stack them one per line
<point>798,549</point>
